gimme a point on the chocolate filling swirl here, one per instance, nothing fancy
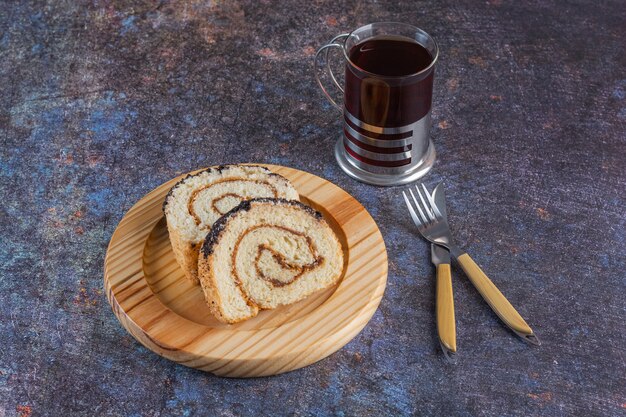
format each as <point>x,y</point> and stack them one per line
<point>214,203</point>
<point>290,269</point>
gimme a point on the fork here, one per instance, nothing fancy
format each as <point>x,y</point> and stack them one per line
<point>433,226</point>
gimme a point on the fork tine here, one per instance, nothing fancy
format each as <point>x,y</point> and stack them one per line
<point>414,216</point>
<point>424,218</point>
<point>426,206</point>
<point>431,200</point>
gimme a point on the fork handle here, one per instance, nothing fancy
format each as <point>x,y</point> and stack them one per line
<point>496,300</point>
<point>445,309</point>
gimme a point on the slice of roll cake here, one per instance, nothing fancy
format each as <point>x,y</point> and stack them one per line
<point>265,253</point>
<point>197,201</point>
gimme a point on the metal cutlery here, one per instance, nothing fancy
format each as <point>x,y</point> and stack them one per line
<point>429,215</point>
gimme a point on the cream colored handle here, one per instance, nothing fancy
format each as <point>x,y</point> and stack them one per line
<point>496,300</point>
<point>445,308</point>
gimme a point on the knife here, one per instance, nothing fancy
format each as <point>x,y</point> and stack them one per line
<point>487,289</point>
<point>446,327</point>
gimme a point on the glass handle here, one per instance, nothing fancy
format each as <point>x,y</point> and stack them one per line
<point>321,58</point>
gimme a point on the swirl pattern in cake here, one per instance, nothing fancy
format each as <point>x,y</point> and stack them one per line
<point>266,253</point>
<point>197,201</point>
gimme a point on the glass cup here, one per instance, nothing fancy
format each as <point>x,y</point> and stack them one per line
<point>386,102</point>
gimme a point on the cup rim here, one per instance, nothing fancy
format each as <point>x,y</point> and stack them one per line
<point>428,68</point>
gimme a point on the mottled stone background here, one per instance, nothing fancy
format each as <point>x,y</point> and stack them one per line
<point>102,101</point>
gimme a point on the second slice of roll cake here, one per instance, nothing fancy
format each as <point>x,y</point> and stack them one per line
<point>266,253</point>
<point>197,201</point>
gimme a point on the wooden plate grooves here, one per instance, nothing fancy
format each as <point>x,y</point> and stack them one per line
<point>153,301</point>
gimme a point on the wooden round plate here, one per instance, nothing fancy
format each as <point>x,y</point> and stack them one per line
<point>166,313</point>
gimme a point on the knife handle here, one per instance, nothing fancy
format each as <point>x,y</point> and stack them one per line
<point>445,309</point>
<point>496,300</point>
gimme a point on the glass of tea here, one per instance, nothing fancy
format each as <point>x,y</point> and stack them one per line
<point>387,97</point>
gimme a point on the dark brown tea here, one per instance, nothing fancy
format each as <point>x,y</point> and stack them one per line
<point>390,57</point>
<point>383,87</point>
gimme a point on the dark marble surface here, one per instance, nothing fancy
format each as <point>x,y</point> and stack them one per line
<point>102,101</point>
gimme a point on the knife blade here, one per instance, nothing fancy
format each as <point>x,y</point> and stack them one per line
<point>446,327</point>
